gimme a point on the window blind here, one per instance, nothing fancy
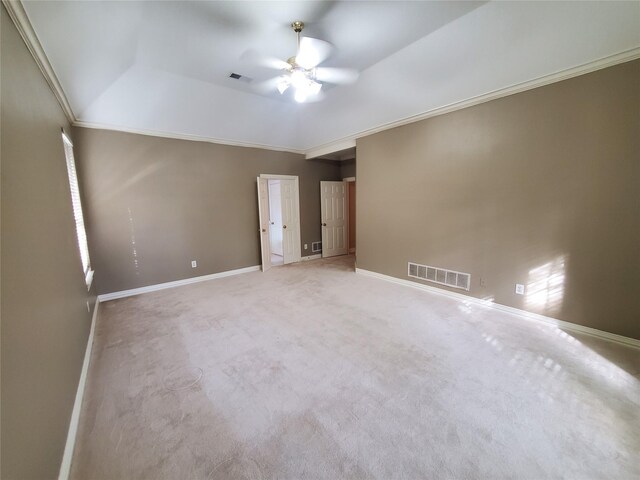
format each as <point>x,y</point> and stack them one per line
<point>77,208</point>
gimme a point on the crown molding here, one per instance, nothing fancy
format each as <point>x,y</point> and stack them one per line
<point>604,62</point>
<point>185,136</point>
<point>19,17</point>
<point>21,20</point>
<point>349,141</point>
<point>330,148</point>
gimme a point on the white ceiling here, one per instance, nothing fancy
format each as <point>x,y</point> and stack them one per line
<point>164,66</point>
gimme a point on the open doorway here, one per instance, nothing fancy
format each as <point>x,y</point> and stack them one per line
<point>338,206</point>
<point>279,218</point>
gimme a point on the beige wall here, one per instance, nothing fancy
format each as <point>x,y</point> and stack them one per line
<point>540,188</point>
<point>45,323</point>
<point>179,201</point>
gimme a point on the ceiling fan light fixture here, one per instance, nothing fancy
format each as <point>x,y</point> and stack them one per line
<point>299,78</point>
<point>300,95</point>
<point>283,83</point>
<point>304,85</point>
<point>314,87</point>
<point>300,71</point>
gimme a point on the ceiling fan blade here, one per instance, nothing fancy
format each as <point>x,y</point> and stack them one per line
<point>257,58</point>
<point>318,97</point>
<point>312,52</point>
<point>339,76</point>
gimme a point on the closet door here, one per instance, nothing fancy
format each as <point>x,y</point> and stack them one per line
<point>263,221</point>
<point>333,215</point>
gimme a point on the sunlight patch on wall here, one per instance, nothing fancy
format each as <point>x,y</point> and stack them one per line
<point>134,250</point>
<point>545,286</point>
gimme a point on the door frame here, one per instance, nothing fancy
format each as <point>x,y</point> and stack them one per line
<point>347,181</point>
<point>296,194</point>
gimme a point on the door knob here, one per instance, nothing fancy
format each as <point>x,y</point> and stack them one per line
<point>324,224</point>
<point>264,230</point>
<point>284,226</point>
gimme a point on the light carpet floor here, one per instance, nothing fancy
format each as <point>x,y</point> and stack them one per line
<point>312,371</point>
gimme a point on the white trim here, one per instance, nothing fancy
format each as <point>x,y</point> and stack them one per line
<point>184,136</point>
<point>343,144</point>
<point>612,337</point>
<point>21,20</point>
<point>67,457</point>
<point>271,176</point>
<point>604,62</point>
<point>177,283</point>
<point>349,179</point>
<point>311,257</point>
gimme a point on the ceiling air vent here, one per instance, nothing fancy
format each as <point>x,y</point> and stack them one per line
<point>242,78</point>
<point>450,278</point>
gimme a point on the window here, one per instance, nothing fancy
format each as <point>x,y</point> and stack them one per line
<point>77,210</point>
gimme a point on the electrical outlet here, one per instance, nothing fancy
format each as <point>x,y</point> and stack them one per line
<point>483,282</point>
<point>519,289</point>
<point>306,246</point>
<point>194,264</point>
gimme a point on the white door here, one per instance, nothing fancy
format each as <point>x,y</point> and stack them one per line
<point>290,221</point>
<point>333,215</point>
<point>263,220</point>
<point>275,217</point>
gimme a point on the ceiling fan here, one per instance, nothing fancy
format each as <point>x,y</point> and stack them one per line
<point>301,72</point>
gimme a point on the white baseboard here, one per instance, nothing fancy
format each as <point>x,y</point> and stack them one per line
<point>311,257</point>
<point>178,283</point>
<point>65,466</point>
<point>612,337</point>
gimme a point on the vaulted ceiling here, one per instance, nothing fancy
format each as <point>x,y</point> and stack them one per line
<point>163,67</point>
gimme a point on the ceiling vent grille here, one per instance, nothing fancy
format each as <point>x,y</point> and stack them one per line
<point>242,78</point>
<point>450,278</point>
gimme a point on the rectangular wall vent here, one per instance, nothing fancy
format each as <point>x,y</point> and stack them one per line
<point>316,247</point>
<point>450,278</point>
<point>242,78</point>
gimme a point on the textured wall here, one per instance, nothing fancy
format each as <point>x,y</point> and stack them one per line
<point>539,188</point>
<point>154,204</point>
<point>45,323</point>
